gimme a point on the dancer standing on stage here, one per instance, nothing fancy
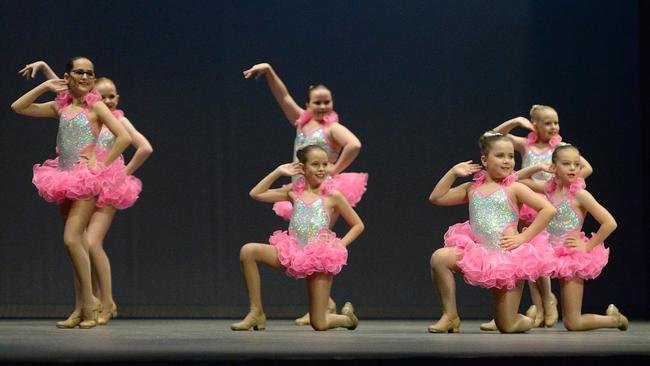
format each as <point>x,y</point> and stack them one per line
<point>488,249</point>
<point>109,200</point>
<point>536,149</point>
<point>309,249</point>
<point>317,125</point>
<point>75,178</point>
<point>576,257</point>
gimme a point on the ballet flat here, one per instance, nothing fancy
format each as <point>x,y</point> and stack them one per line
<point>550,313</point>
<point>107,314</point>
<point>304,320</point>
<point>452,326</point>
<point>250,321</point>
<point>489,326</point>
<point>348,310</point>
<point>623,323</point>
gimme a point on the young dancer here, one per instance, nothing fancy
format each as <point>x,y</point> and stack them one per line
<point>488,250</point>
<point>308,249</point>
<point>576,257</point>
<point>317,125</point>
<point>75,178</point>
<point>109,200</point>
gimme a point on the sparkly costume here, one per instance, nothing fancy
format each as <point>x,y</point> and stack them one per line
<point>125,194</point>
<point>351,185</point>
<point>309,246</point>
<point>531,158</point>
<point>68,176</point>
<point>567,222</point>
<point>484,263</point>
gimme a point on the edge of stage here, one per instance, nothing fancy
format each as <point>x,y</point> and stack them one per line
<point>210,341</point>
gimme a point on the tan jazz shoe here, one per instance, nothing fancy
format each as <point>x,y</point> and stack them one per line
<point>89,315</point>
<point>550,313</point>
<point>107,314</point>
<point>450,326</point>
<point>489,326</point>
<point>72,322</point>
<point>331,309</point>
<point>538,318</point>
<point>250,321</point>
<point>348,310</point>
<point>623,323</point>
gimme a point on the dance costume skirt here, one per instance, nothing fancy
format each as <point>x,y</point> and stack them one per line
<point>578,263</point>
<point>122,195</point>
<point>351,185</point>
<point>321,255</point>
<point>492,268</point>
<point>79,183</point>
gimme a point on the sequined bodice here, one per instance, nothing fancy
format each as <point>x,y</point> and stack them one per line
<point>75,135</point>
<point>532,158</point>
<point>319,138</point>
<point>489,216</point>
<point>566,220</point>
<point>105,140</point>
<point>308,219</point>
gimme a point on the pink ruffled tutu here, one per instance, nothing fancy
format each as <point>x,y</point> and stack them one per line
<point>320,255</point>
<point>351,185</point>
<point>120,195</point>
<point>490,268</point>
<point>80,183</point>
<point>578,263</point>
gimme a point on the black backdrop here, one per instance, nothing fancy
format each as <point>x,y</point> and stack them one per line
<point>417,82</point>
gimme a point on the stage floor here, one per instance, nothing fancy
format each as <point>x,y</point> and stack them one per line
<point>211,341</point>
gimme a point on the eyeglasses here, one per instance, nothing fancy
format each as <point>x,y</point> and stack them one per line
<point>80,73</point>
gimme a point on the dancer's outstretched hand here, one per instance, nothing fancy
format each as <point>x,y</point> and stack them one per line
<point>290,169</point>
<point>257,71</point>
<point>465,168</point>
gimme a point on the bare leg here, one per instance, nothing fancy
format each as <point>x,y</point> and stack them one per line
<point>443,265</point>
<point>319,286</point>
<point>249,255</point>
<point>100,222</point>
<point>506,307</point>
<point>77,248</point>
<point>572,290</point>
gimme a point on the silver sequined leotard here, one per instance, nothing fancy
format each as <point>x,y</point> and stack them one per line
<point>75,135</point>
<point>532,158</point>
<point>490,216</point>
<point>566,220</point>
<point>307,219</point>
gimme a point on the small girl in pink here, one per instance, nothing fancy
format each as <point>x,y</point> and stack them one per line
<point>76,177</point>
<point>576,257</point>
<point>309,249</point>
<point>488,249</point>
<point>317,125</point>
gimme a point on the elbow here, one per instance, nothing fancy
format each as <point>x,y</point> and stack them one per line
<point>147,150</point>
<point>360,227</point>
<point>434,200</point>
<point>253,194</point>
<point>613,225</point>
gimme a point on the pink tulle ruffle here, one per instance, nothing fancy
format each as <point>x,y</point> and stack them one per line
<point>65,98</point>
<point>351,185</point>
<point>532,138</point>
<point>490,268</point>
<point>117,113</point>
<point>480,178</point>
<point>321,255</point>
<point>80,183</point>
<point>123,191</point>
<point>527,214</point>
<point>306,116</point>
<point>577,185</point>
<point>578,263</point>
